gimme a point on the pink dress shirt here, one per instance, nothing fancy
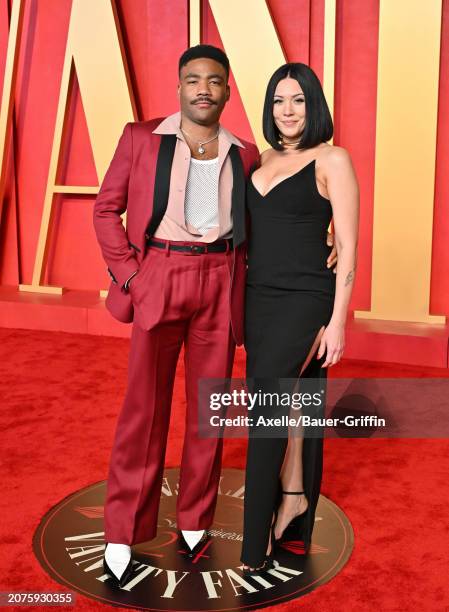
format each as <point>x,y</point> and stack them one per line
<point>173,225</point>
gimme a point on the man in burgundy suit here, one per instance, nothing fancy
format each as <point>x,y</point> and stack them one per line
<point>178,272</point>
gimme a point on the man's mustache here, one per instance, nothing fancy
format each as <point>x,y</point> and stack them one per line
<point>203,100</point>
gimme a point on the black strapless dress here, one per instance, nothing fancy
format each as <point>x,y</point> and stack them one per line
<point>289,297</point>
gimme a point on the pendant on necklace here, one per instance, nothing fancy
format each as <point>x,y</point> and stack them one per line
<point>201,150</point>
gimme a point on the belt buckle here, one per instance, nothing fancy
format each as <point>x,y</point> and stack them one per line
<point>195,249</point>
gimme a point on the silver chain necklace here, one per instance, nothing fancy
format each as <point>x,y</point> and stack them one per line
<point>201,149</point>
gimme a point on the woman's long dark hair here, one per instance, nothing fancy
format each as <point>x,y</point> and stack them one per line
<point>318,123</point>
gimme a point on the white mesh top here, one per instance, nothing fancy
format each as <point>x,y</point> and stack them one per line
<point>201,198</point>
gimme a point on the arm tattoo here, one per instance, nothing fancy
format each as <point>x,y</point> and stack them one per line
<point>349,278</point>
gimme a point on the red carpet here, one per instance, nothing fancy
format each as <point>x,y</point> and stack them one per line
<point>60,397</point>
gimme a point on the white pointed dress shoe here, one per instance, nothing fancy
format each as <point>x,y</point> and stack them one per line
<point>118,562</point>
<point>192,537</point>
<point>193,540</point>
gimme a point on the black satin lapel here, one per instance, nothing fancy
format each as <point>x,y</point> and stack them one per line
<point>238,197</point>
<point>162,180</point>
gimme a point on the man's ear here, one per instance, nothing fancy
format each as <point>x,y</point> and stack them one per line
<point>228,92</point>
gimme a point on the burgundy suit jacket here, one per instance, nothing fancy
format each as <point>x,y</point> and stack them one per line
<point>137,181</point>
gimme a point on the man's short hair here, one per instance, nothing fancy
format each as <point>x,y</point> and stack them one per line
<point>209,51</point>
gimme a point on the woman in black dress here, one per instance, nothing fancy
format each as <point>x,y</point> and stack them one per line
<point>296,306</point>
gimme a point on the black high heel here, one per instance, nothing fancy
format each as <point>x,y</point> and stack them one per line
<point>296,515</point>
<point>120,582</point>
<point>268,562</point>
<point>258,571</point>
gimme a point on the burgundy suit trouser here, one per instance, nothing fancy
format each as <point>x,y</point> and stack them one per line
<point>178,299</point>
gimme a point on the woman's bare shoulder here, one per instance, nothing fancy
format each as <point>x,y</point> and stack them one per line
<point>334,156</point>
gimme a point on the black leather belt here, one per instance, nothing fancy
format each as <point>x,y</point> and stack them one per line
<point>220,246</point>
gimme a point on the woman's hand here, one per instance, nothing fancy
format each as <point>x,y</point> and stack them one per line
<point>333,342</point>
<point>333,257</point>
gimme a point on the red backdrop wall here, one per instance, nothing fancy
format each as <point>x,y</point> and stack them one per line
<point>155,34</point>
